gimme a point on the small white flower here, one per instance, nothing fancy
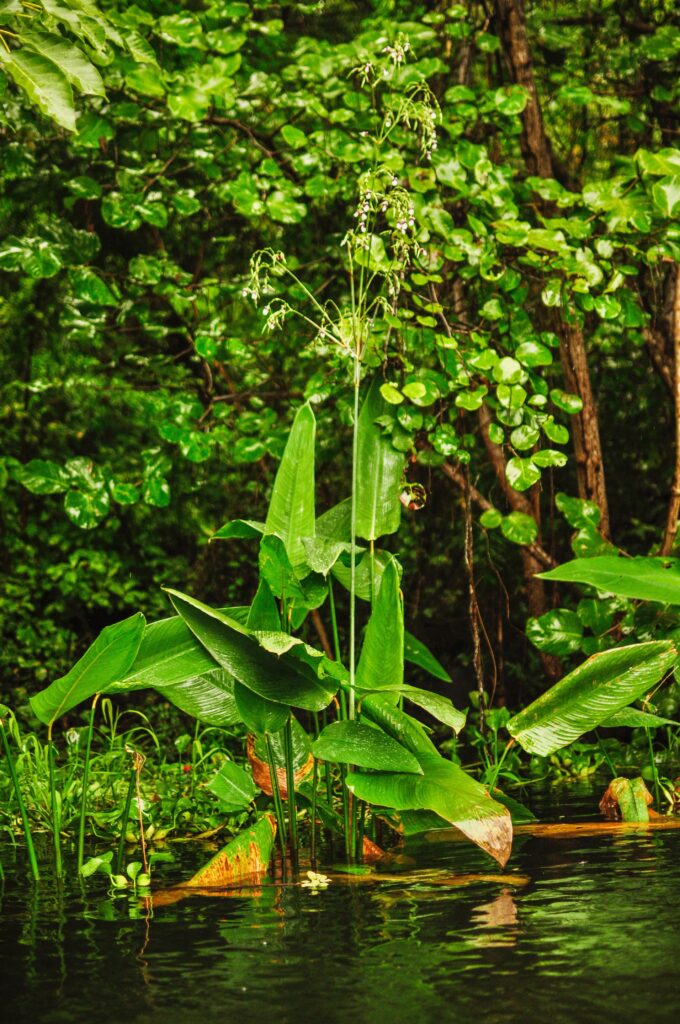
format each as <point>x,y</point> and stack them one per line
<point>265,311</point>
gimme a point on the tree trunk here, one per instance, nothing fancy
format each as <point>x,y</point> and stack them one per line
<point>674,502</point>
<point>539,160</point>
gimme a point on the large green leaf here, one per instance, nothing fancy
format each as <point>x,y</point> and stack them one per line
<point>439,707</point>
<point>69,59</point>
<point>257,714</point>
<point>644,579</point>
<point>381,663</point>
<point>281,679</point>
<point>362,745</point>
<point>106,660</point>
<point>448,791</point>
<point>291,509</point>
<point>418,654</point>
<point>233,786</point>
<point>168,654</point>
<point>398,724</point>
<point>379,471</point>
<point>245,529</point>
<point>634,718</point>
<point>43,82</point>
<point>369,572</point>
<point>209,697</point>
<point>584,699</point>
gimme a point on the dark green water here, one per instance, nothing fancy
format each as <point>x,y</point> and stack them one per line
<point>592,934</point>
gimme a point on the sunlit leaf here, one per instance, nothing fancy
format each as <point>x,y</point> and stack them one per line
<point>584,699</point>
<point>353,743</point>
<point>105,661</point>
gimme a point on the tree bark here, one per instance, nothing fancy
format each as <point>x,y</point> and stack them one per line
<point>674,502</point>
<point>539,160</point>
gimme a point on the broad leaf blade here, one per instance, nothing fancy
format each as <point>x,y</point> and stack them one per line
<point>449,792</point>
<point>418,654</point>
<point>439,707</point>
<point>642,579</point>
<point>584,699</point>
<point>209,697</point>
<point>71,61</point>
<point>291,509</point>
<point>257,714</point>
<point>379,472</point>
<point>362,745</point>
<point>381,664</point>
<point>44,84</point>
<point>281,679</point>
<point>246,529</point>
<point>233,786</point>
<point>106,660</point>
<point>168,654</point>
<point>246,856</point>
<point>634,718</point>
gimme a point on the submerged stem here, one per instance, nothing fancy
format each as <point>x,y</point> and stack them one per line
<point>33,861</point>
<point>56,818</point>
<point>290,786</point>
<point>86,774</point>
<point>278,803</point>
<point>124,820</point>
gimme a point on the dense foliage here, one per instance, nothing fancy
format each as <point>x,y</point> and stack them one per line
<point>253,205</point>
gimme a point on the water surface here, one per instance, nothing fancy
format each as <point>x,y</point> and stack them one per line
<point>583,928</point>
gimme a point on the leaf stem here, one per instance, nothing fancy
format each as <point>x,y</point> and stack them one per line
<point>20,800</point>
<point>56,817</point>
<point>86,775</point>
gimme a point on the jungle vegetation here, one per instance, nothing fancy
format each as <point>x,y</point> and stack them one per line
<point>341,370</point>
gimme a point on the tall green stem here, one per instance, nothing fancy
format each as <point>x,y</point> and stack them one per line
<point>278,803</point>
<point>124,821</point>
<point>33,861</point>
<point>86,776</point>
<point>652,765</point>
<point>353,557</point>
<point>56,817</point>
<point>334,621</point>
<point>315,785</point>
<point>290,786</point>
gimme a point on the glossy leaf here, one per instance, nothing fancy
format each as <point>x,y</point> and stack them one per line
<point>71,61</point>
<point>291,508</point>
<point>168,653</point>
<point>357,744</point>
<point>274,678</point>
<point>233,786</point>
<point>634,718</point>
<point>439,707</point>
<point>381,663</point>
<point>449,792</point>
<point>643,579</point>
<point>379,472</point>
<point>104,662</point>
<point>258,714</point>
<point>245,529</point>
<point>584,699</point>
<point>209,697</point>
<point>418,654</point>
<point>43,82</point>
